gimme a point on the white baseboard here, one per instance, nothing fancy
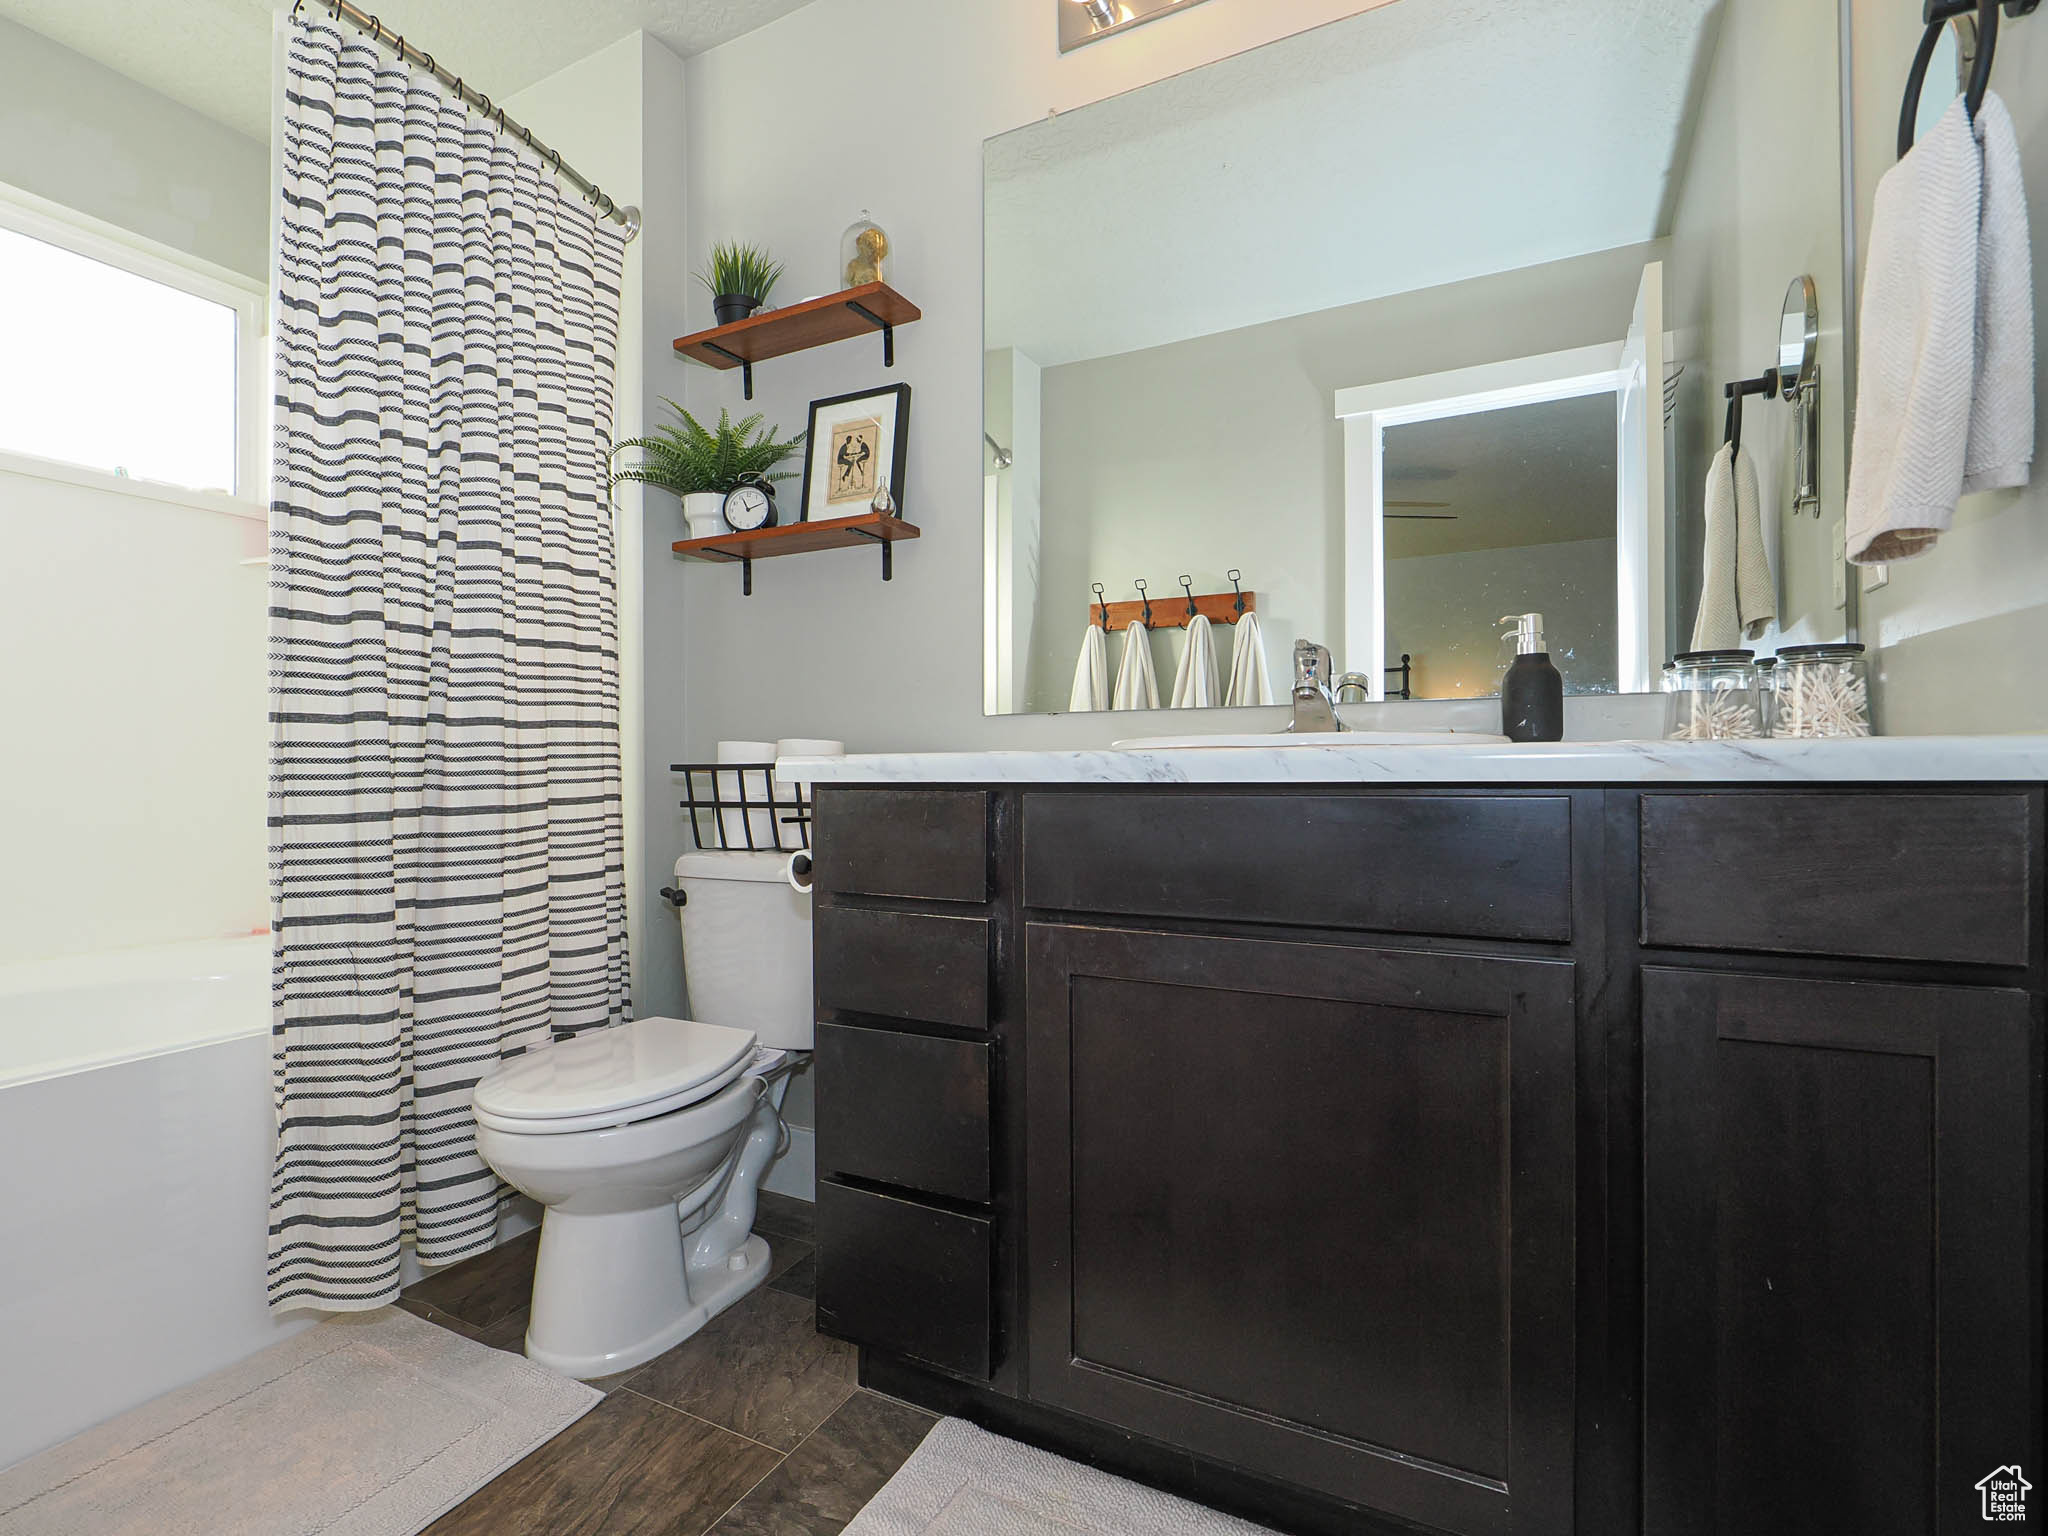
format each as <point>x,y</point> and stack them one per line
<point>795,1173</point>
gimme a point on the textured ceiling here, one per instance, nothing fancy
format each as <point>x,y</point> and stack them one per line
<point>1417,144</point>
<point>214,55</point>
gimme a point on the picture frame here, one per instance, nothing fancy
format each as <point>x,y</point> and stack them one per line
<point>856,443</point>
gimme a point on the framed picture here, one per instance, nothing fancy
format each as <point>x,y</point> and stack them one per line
<point>857,444</point>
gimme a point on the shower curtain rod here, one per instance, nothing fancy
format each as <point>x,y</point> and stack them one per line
<point>372,28</point>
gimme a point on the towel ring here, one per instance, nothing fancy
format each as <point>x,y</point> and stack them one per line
<point>1939,13</point>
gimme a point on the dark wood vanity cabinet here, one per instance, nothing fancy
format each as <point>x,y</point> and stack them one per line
<point>1552,1161</point>
<point>1307,1208</point>
<point>1841,1229</point>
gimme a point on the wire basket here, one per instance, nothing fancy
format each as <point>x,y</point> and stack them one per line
<point>740,806</point>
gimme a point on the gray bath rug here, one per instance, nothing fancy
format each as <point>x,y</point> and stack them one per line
<point>964,1482</point>
<point>370,1425</point>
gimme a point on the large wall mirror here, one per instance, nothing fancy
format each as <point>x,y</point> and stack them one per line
<point>1413,320</point>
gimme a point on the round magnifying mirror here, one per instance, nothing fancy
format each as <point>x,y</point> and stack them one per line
<point>1798,336</point>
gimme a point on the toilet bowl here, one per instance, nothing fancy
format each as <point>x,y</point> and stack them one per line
<point>645,1143</point>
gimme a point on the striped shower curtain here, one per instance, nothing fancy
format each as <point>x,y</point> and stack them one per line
<point>446,845</point>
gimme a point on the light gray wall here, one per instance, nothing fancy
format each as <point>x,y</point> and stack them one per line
<point>793,129</point>
<point>79,134</point>
<point>1226,450</point>
<point>1759,203</point>
<point>1961,630</point>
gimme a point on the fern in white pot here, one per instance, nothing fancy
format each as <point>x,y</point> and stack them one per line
<point>703,467</point>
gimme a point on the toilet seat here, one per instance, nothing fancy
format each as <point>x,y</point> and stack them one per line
<point>612,1077</point>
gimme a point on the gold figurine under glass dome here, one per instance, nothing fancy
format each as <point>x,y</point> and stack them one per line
<point>864,252</point>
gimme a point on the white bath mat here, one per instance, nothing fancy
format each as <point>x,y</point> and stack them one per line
<point>965,1482</point>
<point>370,1425</point>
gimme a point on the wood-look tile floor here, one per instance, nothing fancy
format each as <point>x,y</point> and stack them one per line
<point>755,1427</point>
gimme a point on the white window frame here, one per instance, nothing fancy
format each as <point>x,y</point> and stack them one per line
<point>1369,409</point>
<point>41,219</point>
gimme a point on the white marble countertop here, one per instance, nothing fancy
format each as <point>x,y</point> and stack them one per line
<point>1887,758</point>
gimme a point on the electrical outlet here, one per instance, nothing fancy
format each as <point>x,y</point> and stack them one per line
<point>1841,565</point>
<point>1875,576</point>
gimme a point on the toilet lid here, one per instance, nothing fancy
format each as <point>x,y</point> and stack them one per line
<point>629,1071</point>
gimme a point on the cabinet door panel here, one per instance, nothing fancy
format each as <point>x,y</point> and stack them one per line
<point>904,1109</point>
<point>905,1278</point>
<point>1484,866</point>
<point>1944,877</point>
<point>926,844</point>
<point>903,965</point>
<point>1842,1313</point>
<point>1308,1209</point>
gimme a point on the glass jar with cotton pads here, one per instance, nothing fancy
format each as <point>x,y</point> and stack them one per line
<point>1823,691</point>
<point>1714,698</point>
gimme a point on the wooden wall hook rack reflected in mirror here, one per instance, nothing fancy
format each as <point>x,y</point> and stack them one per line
<point>1216,607</point>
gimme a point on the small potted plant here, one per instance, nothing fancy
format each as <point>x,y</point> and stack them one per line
<point>703,467</point>
<point>740,278</point>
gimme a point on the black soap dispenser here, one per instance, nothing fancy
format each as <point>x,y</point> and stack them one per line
<point>1532,692</point>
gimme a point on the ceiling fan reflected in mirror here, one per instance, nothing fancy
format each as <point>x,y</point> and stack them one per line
<point>1420,516</point>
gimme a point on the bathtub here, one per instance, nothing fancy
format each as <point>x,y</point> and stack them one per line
<point>135,1150</point>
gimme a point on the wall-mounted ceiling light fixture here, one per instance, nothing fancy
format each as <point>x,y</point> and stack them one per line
<point>1086,21</point>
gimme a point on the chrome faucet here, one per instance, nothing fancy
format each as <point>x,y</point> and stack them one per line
<point>1354,688</point>
<point>1315,707</point>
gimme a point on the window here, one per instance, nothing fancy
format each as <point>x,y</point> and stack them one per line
<point>119,359</point>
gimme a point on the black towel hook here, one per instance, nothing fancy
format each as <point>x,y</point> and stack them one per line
<point>1100,602</point>
<point>1765,384</point>
<point>1237,576</point>
<point>1187,585</point>
<point>1937,14</point>
<point>1145,598</point>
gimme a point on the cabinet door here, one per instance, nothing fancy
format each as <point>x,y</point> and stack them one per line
<point>1842,1254</point>
<point>1307,1209</point>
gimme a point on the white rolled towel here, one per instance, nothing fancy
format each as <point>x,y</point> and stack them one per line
<point>1916,371</point>
<point>1091,674</point>
<point>2001,452</point>
<point>1136,686</point>
<point>1250,682</point>
<point>1197,685</point>
<point>1738,596</point>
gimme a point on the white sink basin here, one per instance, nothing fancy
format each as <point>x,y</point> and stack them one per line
<point>1270,739</point>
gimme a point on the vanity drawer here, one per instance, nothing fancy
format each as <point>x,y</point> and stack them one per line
<point>904,1109</point>
<point>925,844</point>
<point>1477,866</point>
<point>1894,876</point>
<point>903,965</point>
<point>905,1278</point>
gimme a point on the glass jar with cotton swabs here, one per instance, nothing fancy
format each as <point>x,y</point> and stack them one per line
<point>1713,697</point>
<point>1822,691</point>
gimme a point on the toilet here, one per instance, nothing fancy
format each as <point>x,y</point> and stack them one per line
<point>645,1143</point>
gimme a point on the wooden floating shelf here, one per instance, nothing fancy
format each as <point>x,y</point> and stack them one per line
<point>801,539</point>
<point>1171,611</point>
<point>774,333</point>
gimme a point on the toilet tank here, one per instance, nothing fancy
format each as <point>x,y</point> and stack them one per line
<point>747,946</point>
